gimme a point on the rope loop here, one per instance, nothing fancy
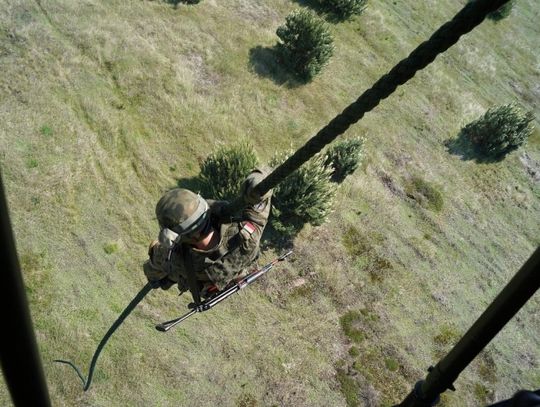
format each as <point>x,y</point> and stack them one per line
<point>138,298</point>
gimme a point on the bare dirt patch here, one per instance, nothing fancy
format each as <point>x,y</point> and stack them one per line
<point>531,166</point>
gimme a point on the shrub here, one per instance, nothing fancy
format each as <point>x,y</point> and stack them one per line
<point>502,12</point>
<point>344,9</point>
<point>500,130</point>
<point>224,171</point>
<point>306,44</point>
<point>426,194</point>
<point>305,196</point>
<point>344,157</point>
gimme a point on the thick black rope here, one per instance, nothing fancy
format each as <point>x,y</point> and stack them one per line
<point>86,383</point>
<point>446,36</point>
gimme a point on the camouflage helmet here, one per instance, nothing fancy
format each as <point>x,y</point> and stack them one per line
<point>182,212</point>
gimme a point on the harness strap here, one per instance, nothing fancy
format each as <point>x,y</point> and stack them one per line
<point>190,272</point>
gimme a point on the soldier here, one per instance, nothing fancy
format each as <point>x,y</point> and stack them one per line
<point>199,247</point>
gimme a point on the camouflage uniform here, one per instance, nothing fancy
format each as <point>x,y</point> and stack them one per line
<point>237,249</point>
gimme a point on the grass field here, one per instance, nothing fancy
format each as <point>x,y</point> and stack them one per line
<point>106,105</point>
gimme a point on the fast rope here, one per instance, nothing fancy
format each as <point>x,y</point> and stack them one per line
<point>446,36</point>
<point>138,298</point>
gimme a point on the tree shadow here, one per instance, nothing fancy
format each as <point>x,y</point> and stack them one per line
<point>275,240</point>
<point>314,5</point>
<point>464,148</point>
<point>194,184</point>
<point>337,177</point>
<point>324,11</point>
<point>175,3</point>
<point>268,63</point>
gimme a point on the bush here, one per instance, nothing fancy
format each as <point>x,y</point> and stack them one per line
<point>344,9</point>
<point>305,196</point>
<point>224,171</point>
<point>426,194</point>
<point>344,157</point>
<point>306,44</point>
<point>502,12</point>
<point>500,130</point>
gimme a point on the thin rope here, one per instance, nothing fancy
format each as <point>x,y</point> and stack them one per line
<point>138,298</point>
<point>446,36</point>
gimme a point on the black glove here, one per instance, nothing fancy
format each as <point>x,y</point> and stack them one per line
<point>165,283</point>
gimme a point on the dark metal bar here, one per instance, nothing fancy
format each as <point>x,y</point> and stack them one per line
<point>510,300</point>
<point>19,353</point>
<point>522,398</point>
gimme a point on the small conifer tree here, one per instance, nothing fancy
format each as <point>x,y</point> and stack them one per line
<point>500,130</point>
<point>344,157</point>
<point>305,43</point>
<point>305,196</point>
<point>224,171</point>
<point>345,9</point>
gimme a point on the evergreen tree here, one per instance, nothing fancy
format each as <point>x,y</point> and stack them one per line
<point>500,130</point>
<point>305,43</point>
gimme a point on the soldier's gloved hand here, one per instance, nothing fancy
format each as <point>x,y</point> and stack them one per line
<point>164,283</point>
<point>251,196</point>
<point>154,274</point>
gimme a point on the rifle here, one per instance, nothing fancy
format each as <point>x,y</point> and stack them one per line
<point>222,295</point>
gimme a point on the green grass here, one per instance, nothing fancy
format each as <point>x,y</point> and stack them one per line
<point>448,335</point>
<point>391,364</point>
<point>31,163</point>
<point>110,248</point>
<point>106,105</point>
<point>46,131</point>
<point>349,388</point>
<point>364,250</point>
<point>482,393</point>
<point>348,324</point>
<point>445,339</point>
